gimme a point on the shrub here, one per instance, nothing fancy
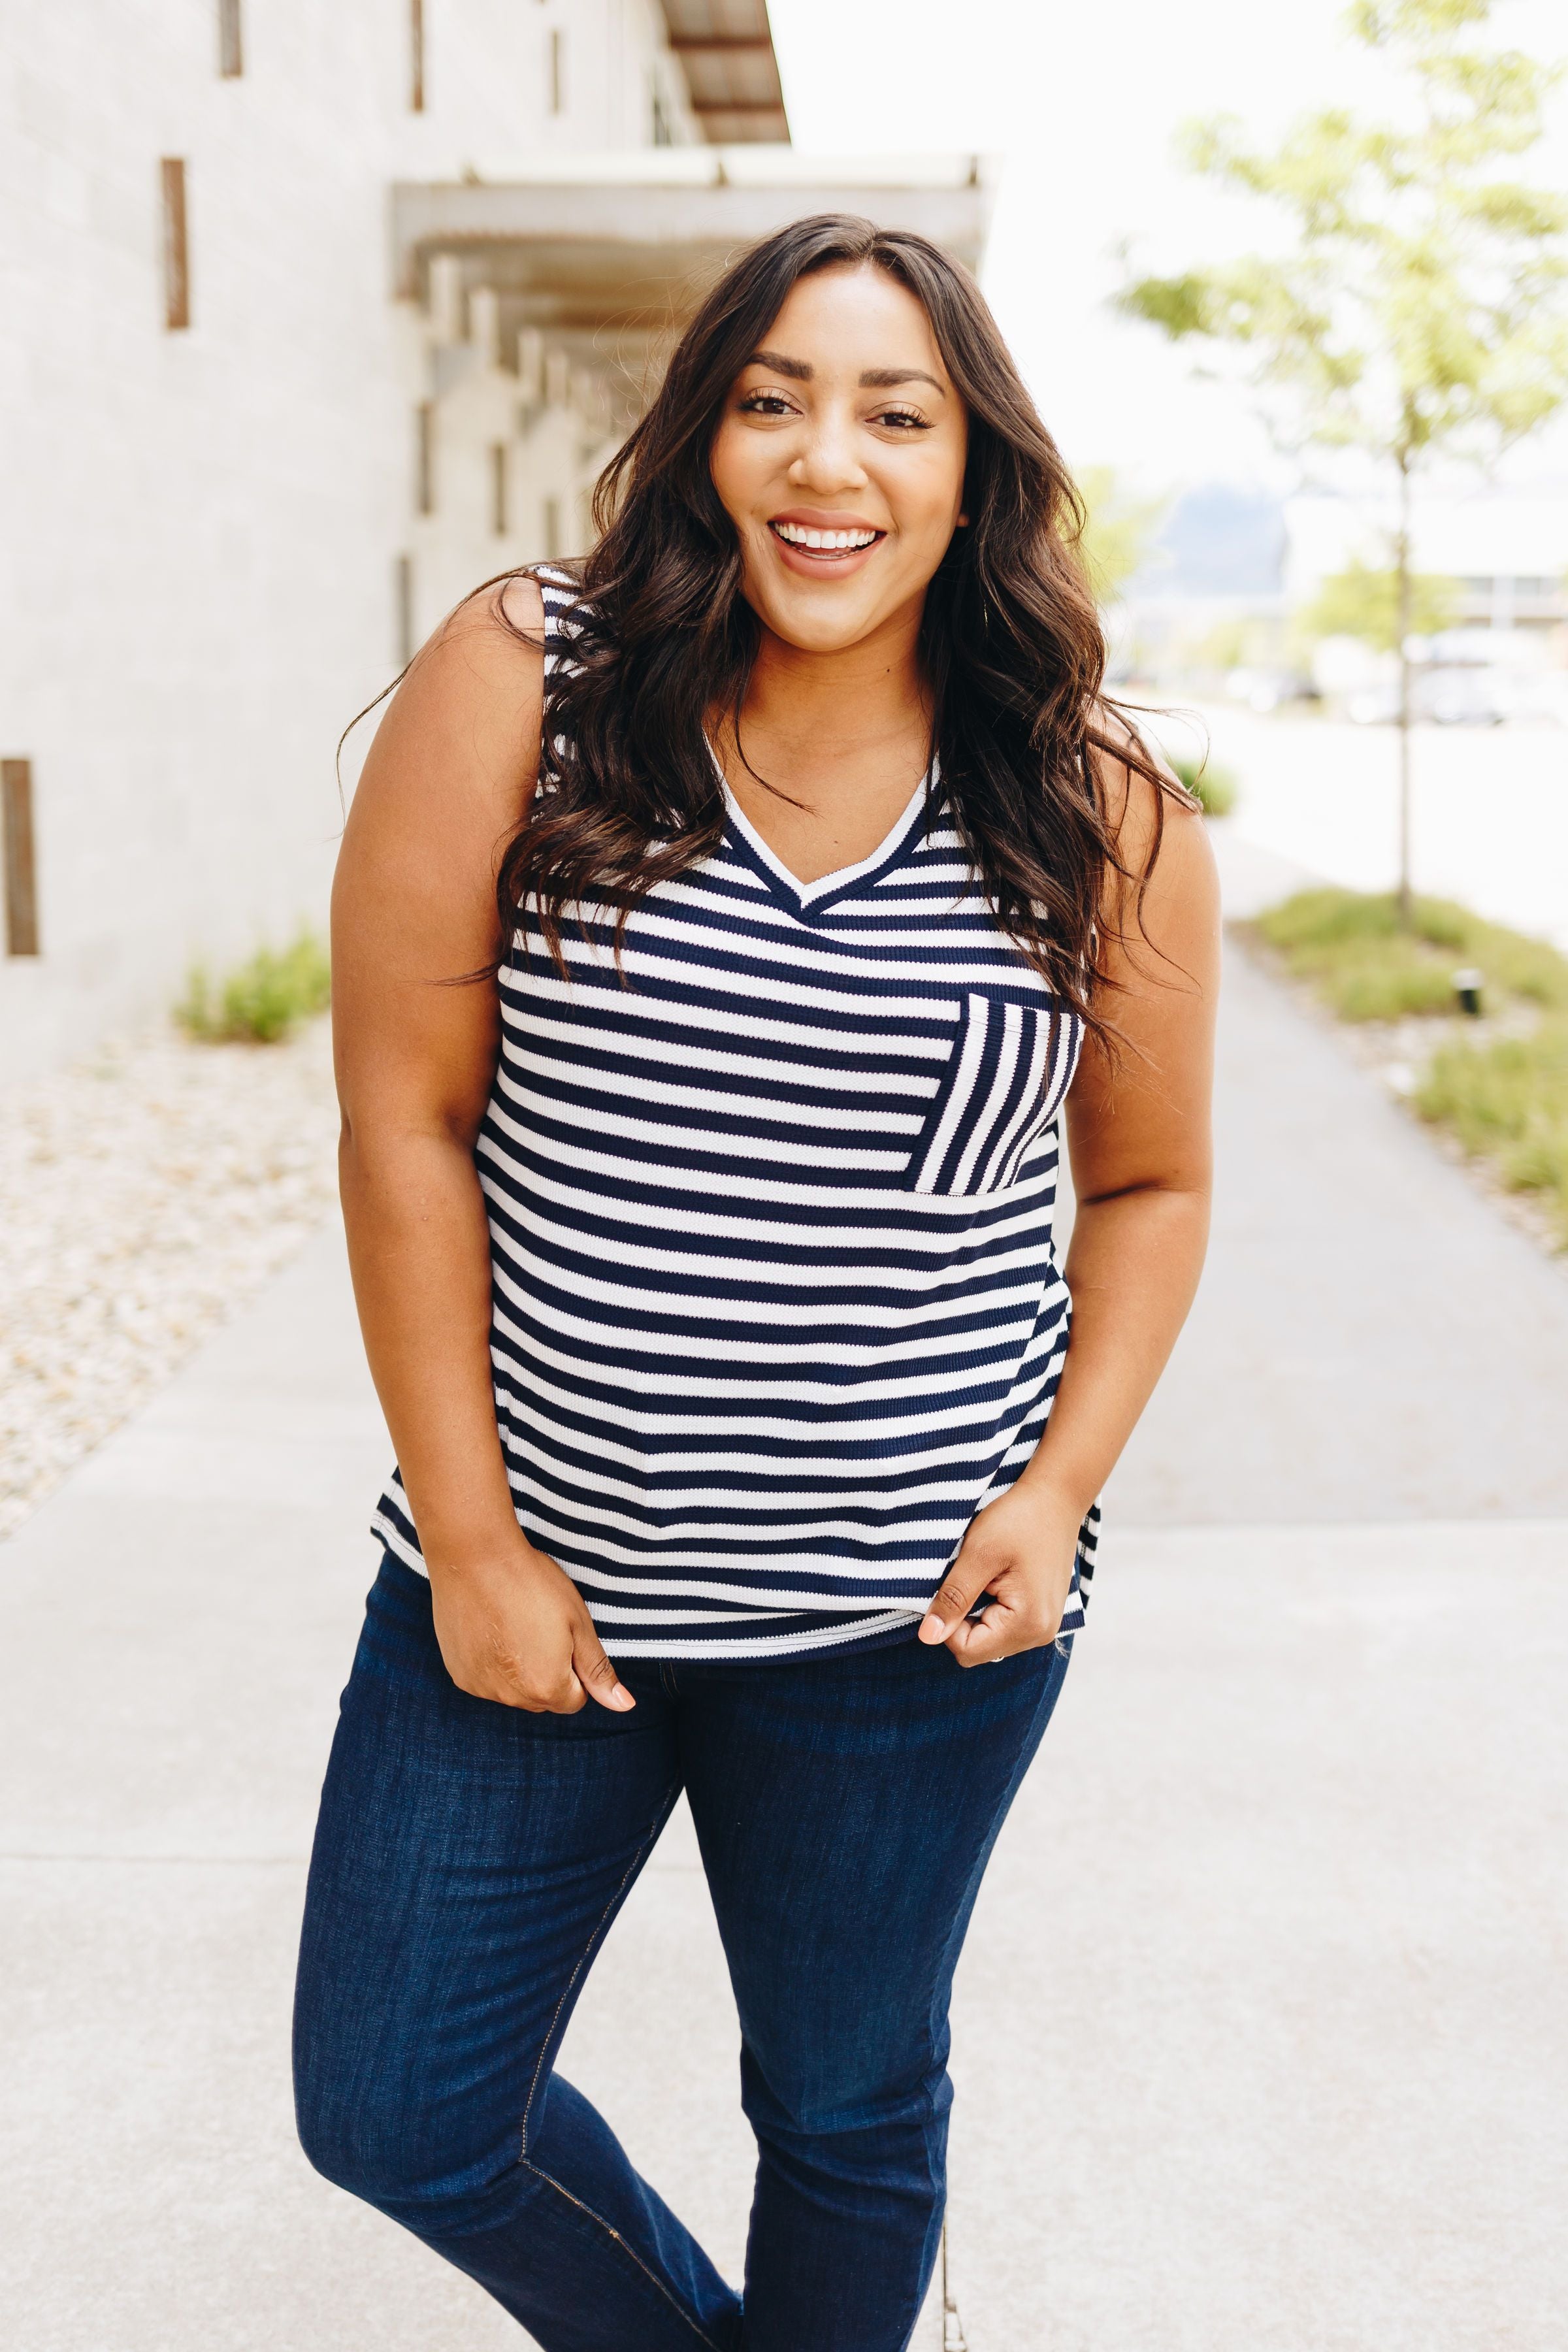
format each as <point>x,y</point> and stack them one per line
<point>1351,946</point>
<point>1214,788</point>
<point>263,1001</point>
<point>1506,1099</point>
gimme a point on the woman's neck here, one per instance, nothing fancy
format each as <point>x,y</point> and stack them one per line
<point>817,713</point>
<point>830,747</point>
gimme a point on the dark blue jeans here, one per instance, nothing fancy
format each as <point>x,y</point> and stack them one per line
<point>469,1860</point>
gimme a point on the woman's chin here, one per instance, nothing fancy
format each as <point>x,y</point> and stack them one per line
<point>823,616</point>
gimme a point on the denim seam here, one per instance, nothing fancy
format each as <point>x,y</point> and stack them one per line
<point>538,2171</point>
<point>586,1953</point>
<point>630,2252</point>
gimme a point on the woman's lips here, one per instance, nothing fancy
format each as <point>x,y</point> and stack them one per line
<point>814,561</point>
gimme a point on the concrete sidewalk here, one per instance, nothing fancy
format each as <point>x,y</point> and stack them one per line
<point>1257,2043</point>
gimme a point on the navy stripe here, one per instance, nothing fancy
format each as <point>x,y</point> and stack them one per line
<point>775,1306</point>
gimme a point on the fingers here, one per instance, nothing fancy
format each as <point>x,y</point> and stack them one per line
<point>954,1598</point>
<point>1000,1634</point>
<point>594,1672</point>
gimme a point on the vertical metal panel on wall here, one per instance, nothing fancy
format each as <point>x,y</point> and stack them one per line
<point>230,40</point>
<point>416,55</point>
<point>176,244</point>
<point>403,598</point>
<point>21,858</point>
<point>424,458</point>
<point>499,489</point>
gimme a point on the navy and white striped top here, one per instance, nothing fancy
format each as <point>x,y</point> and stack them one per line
<point>775,1306</point>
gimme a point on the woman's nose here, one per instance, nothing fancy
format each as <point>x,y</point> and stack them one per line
<point>828,461</point>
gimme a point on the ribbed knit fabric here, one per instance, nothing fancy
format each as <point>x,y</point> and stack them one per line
<point>776,1305</point>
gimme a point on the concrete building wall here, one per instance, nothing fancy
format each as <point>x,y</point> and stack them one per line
<point>200,530</point>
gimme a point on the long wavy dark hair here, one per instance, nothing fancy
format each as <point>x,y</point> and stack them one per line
<point>1011,644</point>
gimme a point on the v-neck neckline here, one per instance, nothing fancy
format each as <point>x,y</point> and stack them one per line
<point>808,897</point>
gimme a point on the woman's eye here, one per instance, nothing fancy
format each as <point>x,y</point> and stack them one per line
<point>765,404</point>
<point>907,418</point>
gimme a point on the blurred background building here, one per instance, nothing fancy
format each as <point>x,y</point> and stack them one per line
<point>1228,600</point>
<point>312,319</point>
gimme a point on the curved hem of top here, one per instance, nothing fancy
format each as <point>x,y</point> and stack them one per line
<point>396,1554</point>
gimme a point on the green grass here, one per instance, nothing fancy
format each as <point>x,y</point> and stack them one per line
<point>1352,949</point>
<point>1214,788</point>
<point>261,1002</point>
<point>1504,1098</point>
<point>1507,1101</point>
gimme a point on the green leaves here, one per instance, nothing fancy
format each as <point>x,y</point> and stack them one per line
<point>1118,530</point>
<point>1418,300</point>
<point>261,1002</point>
<point>1361,602</point>
<point>1182,306</point>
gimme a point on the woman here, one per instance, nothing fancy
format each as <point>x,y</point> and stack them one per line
<point>701,1241</point>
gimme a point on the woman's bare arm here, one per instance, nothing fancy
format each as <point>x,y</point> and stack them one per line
<point>448,779</point>
<point>1138,1131</point>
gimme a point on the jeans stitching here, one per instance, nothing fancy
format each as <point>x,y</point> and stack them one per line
<point>586,1954</point>
<point>630,2252</point>
<point>537,2170</point>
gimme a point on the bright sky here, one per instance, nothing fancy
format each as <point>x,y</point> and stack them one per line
<point>1080,102</point>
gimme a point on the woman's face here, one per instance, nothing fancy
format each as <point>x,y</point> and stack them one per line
<point>839,458</point>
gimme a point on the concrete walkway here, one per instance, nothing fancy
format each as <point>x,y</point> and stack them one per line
<point>1258,2038</point>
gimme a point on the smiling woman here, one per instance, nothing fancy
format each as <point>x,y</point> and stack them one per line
<point>701,1147</point>
<point>842,378</point>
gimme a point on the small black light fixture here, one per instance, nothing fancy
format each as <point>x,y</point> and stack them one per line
<point>1468,990</point>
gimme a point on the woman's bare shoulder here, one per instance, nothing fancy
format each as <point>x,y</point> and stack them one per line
<point>1139,789</point>
<point>489,652</point>
<point>1167,870</point>
<point>462,730</point>
<point>446,785</point>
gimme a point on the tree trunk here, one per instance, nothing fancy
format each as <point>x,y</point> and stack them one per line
<point>1401,622</point>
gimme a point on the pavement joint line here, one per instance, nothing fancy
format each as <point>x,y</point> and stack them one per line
<point>1125,1525</point>
<point>179,1861</point>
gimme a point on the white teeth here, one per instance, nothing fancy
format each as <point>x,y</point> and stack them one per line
<point>805,535</point>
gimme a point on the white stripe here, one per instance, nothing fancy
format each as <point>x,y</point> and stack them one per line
<point>972,1044</point>
<point>782,1410</point>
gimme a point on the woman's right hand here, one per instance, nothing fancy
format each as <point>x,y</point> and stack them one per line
<point>515,1629</point>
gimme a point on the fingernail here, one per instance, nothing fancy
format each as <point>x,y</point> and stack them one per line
<point>932,1629</point>
<point>623,1697</point>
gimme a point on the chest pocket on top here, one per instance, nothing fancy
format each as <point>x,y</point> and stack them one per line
<point>1010,1068</point>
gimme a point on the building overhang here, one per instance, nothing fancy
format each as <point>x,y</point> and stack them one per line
<point>600,251</point>
<point>605,262</point>
<point>726,53</point>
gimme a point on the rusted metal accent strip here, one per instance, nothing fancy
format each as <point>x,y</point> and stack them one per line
<point>21,858</point>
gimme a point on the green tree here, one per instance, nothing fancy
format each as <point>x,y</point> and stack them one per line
<point>1378,607</point>
<point>1118,531</point>
<point>1417,308</point>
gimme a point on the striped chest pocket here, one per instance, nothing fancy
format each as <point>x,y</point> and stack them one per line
<point>1010,1068</point>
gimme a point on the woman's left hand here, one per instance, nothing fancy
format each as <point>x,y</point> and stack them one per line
<point>1020,1550</point>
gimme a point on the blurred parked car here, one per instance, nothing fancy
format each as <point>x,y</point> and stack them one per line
<point>1440,698</point>
<point>1264,691</point>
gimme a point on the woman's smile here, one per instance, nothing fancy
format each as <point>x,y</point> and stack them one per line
<point>840,456</point>
<point>810,541</point>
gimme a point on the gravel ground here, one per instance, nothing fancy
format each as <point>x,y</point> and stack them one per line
<point>145,1195</point>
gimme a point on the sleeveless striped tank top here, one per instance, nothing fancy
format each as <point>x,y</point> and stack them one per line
<point>776,1307</point>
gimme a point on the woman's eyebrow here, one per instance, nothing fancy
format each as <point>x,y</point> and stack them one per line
<point>884,379</point>
<point>800,369</point>
<point>871,379</point>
